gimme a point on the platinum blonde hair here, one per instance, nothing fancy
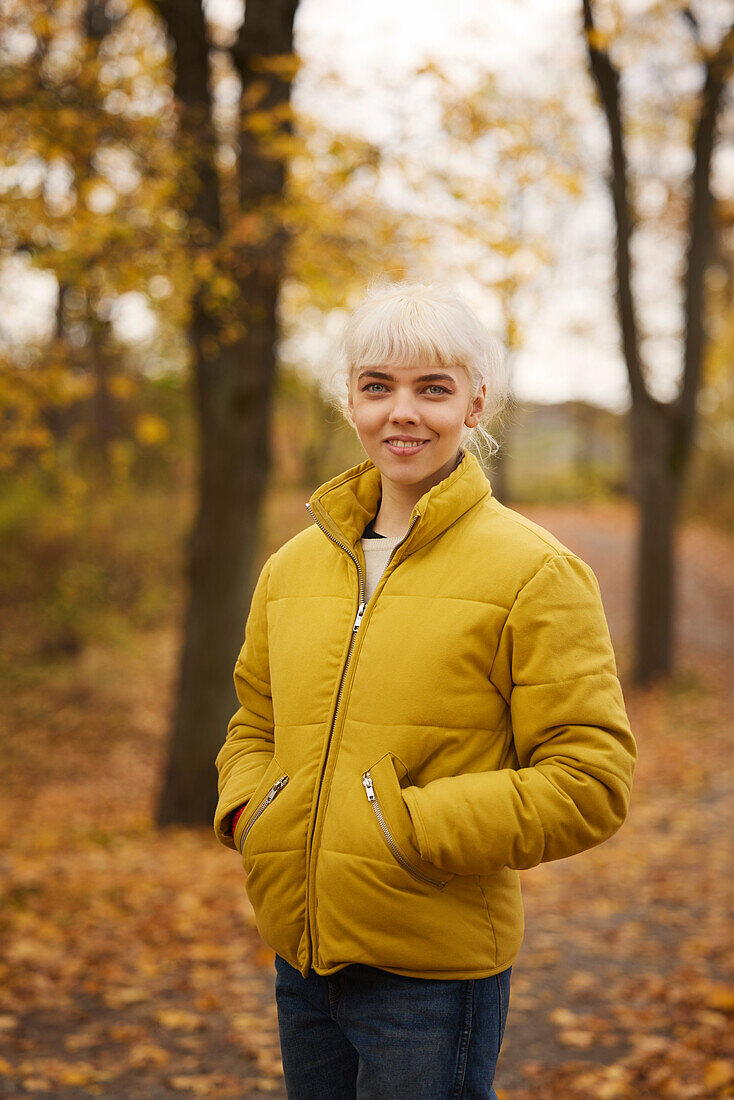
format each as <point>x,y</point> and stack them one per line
<point>411,324</point>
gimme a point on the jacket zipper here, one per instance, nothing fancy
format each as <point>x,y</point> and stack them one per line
<point>275,790</point>
<point>396,851</point>
<point>355,625</point>
<point>355,628</point>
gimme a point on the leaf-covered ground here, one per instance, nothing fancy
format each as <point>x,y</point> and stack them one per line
<point>130,966</point>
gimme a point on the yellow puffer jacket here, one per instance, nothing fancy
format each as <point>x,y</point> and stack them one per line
<point>402,760</point>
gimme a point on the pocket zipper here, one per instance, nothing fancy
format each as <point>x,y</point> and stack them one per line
<point>276,788</point>
<point>401,858</point>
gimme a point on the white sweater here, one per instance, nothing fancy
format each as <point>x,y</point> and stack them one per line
<point>376,554</point>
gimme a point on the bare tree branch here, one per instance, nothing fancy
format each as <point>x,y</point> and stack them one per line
<point>690,17</point>
<point>700,234</point>
<point>607,82</point>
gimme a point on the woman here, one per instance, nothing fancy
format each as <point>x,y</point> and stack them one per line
<point>429,704</point>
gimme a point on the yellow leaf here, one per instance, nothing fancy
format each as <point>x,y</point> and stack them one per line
<point>148,1054</point>
<point>178,1019</point>
<point>563,1017</point>
<point>82,1074</point>
<point>718,1072</point>
<point>151,430</point>
<point>721,997</point>
<point>122,386</point>
<point>598,39</point>
<point>575,1038</point>
<point>201,1084</point>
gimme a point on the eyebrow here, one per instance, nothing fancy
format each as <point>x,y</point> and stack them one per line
<point>391,378</point>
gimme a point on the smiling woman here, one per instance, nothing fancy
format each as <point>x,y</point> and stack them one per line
<point>420,372</point>
<point>411,426</point>
<point>428,705</point>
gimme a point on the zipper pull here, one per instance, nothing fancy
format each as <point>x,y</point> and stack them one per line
<point>274,789</point>
<point>358,620</point>
<point>367,784</point>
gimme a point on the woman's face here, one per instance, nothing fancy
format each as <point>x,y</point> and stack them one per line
<point>430,404</point>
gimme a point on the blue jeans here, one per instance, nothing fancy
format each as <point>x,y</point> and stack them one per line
<point>369,1034</point>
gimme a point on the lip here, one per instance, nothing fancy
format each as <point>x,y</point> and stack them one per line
<point>405,451</point>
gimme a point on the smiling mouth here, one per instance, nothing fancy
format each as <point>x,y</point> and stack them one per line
<point>405,444</point>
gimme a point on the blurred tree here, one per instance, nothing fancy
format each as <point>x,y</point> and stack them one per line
<point>709,487</point>
<point>233,334</point>
<point>83,197</point>
<point>662,432</point>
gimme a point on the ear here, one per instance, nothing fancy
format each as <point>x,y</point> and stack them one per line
<point>476,408</point>
<point>350,404</point>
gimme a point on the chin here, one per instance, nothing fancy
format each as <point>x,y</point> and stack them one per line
<point>409,472</point>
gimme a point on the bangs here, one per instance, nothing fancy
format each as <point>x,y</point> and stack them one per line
<point>401,331</point>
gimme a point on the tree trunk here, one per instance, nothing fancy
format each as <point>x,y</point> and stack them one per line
<point>101,406</point>
<point>234,395</point>
<point>233,387</point>
<point>656,485</point>
<point>662,434</point>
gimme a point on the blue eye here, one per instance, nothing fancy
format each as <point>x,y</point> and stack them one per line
<point>434,386</point>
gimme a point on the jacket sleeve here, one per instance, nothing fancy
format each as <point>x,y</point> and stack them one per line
<point>248,748</point>
<point>555,667</point>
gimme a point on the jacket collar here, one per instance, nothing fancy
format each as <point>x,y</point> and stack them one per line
<point>346,504</point>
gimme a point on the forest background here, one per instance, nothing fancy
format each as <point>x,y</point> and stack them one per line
<point>189,201</point>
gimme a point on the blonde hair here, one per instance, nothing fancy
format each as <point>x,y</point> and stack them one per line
<point>413,323</point>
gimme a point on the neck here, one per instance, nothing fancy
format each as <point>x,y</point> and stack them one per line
<point>399,500</point>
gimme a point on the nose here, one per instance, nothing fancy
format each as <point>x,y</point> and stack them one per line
<point>403,408</point>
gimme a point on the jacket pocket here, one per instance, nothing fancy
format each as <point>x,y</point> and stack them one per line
<point>272,783</point>
<point>382,791</point>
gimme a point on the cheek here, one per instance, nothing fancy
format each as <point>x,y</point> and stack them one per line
<point>367,415</point>
<point>448,416</point>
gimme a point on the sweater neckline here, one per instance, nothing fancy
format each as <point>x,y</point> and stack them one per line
<point>372,543</point>
<point>370,533</point>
